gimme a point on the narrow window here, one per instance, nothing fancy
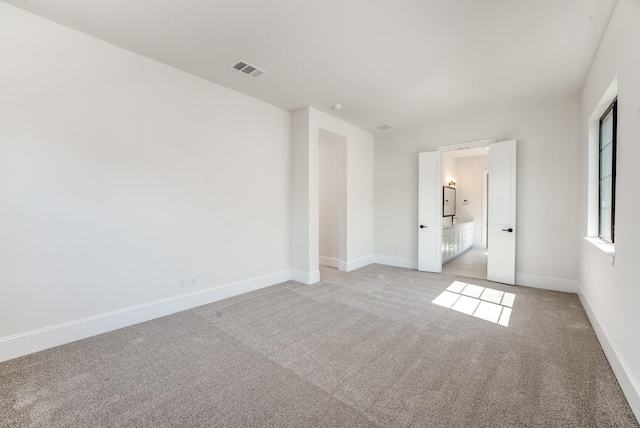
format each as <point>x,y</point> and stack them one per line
<point>607,174</point>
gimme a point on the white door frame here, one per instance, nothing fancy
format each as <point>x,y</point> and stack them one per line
<point>485,206</point>
<point>473,145</point>
<point>342,196</point>
<point>469,145</point>
<point>506,272</point>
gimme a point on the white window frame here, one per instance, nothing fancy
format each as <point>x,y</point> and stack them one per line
<point>612,109</point>
<point>593,211</point>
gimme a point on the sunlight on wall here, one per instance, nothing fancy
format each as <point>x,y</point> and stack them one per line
<point>481,302</point>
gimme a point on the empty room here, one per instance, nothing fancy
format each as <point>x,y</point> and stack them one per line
<point>418,213</point>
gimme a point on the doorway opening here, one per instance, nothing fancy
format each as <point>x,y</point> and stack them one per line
<point>465,234</point>
<point>433,248</point>
<point>332,200</point>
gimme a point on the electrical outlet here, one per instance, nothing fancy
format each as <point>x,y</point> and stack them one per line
<point>193,280</point>
<point>397,250</point>
<point>182,281</point>
<point>271,264</point>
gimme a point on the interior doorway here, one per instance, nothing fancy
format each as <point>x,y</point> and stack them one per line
<point>467,171</point>
<point>332,200</point>
<point>440,241</point>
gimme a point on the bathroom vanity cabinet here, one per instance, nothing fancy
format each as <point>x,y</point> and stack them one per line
<point>456,239</point>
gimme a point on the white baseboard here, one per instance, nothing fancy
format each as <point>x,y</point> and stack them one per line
<point>48,337</point>
<point>396,261</point>
<point>547,283</point>
<point>628,383</point>
<point>534,281</point>
<point>307,278</point>
<point>355,264</point>
<point>329,261</point>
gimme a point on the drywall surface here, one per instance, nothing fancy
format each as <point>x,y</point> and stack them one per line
<point>547,138</point>
<point>359,198</point>
<point>610,292</point>
<point>304,254</point>
<point>119,175</point>
<point>357,227</point>
<point>449,172</point>
<point>469,175</point>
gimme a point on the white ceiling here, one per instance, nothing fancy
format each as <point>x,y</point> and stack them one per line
<point>403,62</point>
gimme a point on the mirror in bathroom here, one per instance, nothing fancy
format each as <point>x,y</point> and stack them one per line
<point>448,201</point>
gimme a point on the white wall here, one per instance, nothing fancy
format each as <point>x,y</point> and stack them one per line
<point>469,172</point>
<point>360,203</point>
<point>119,175</point>
<point>547,135</point>
<point>306,125</point>
<point>448,168</point>
<point>610,293</point>
<point>329,193</point>
<point>304,202</point>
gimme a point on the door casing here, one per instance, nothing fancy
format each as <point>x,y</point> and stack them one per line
<point>501,215</point>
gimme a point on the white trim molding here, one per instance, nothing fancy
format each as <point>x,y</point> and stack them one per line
<point>396,261</point>
<point>604,249</point>
<point>355,264</point>
<point>306,278</point>
<point>40,339</point>
<point>547,283</point>
<point>467,145</point>
<point>593,163</point>
<point>47,337</point>
<point>329,261</point>
<point>628,383</point>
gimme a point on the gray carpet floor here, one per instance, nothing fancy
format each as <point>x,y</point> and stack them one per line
<point>360,349</point>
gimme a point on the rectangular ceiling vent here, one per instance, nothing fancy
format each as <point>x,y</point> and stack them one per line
<point>383,127</point>
<point>248,69</point>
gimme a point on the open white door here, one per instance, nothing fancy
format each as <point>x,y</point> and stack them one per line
<point>430,212</point>
<point>501,263</point>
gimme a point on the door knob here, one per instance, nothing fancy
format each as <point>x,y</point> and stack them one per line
<point>508,230</point>
<point>422,226</point>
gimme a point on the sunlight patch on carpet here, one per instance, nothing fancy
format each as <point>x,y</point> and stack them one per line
<point>481,302</point>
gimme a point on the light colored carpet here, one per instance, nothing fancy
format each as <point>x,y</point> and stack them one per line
<point>367,348</point>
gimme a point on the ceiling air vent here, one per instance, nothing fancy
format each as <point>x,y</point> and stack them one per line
<point>248,69</point>
<point>383,127</point>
